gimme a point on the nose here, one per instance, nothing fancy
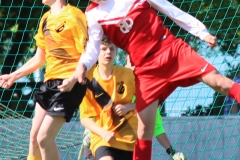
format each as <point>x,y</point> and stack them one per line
<point>108,51</point>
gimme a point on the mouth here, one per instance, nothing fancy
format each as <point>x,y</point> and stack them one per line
<point>108,58</point>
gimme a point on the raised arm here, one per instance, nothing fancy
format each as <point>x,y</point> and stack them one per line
<point>89,58</point>
<point>181,18</point>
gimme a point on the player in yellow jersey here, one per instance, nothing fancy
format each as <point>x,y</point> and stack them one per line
<point>60,40</point>
<point>107,109</point>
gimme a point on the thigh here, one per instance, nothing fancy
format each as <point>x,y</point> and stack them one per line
<point>146,121</point>
<point>50,127</point>
<point>39,115</point>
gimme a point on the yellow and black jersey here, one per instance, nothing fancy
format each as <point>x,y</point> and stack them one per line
<point>63,37</point>
<point>100,97</point>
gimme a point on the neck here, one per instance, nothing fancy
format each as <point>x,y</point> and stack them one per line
<point>105,71</point>
<point>57,7</point>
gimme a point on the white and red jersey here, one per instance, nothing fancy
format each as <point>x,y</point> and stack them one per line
<point>134,26</point>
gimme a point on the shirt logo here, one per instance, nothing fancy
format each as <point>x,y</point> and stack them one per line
<point>58,108</point>
<point>121,88</point>
<point>96,96</point>
<point>204,68</point>
<point>60,27</point>
<point>125,25</point>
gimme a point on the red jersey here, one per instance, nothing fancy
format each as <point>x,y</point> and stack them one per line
<point>134,26</point>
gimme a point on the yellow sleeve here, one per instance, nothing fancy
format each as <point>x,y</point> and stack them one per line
<point>79,31</point>
<point>39,37</point>
<point>87,109</point>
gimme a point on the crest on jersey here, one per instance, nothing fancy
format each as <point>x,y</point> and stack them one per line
<point>121,87</point>
<point>125,25</point>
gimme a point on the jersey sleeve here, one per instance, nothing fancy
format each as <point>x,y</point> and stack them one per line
<point>39,37</point>
<point>87,109</point>
<point>181,18</point>
<point>95,33</point>
<point>79,31</point>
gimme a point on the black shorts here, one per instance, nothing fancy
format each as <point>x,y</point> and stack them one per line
<point>116,154</point>
<point>58,103</point>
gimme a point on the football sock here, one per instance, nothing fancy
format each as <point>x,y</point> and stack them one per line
<point>33,158</point>
<point>234,92</point>
<point>142,150</point>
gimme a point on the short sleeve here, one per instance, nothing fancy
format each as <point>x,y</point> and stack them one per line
<point>87,108</point>
<point>39,37</point>
<point>79,32</point>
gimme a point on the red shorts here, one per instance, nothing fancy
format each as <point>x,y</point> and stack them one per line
<point>175,65</point>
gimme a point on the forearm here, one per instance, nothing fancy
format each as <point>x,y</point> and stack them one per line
<point>181,18</point>
<point>95,33</point>
<point>28,68</point>
<point>92,126</point>
<point>31,65</point>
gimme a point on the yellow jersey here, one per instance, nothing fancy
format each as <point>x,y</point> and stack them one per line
<point>101,95</point>
<point>63,37</point>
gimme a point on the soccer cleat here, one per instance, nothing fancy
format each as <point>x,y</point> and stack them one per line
<point>178,156</point>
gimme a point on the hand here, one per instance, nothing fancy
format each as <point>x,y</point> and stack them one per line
<point>120,109</point>
<point>107,135</point>
<point>178,156</point>
<point>211,40</point>
<point>81,73</point>
<point>67,85</point>
<point>7,80</point>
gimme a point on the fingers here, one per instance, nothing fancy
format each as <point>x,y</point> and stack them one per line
<point>82,81</point>
<point>117,110</point>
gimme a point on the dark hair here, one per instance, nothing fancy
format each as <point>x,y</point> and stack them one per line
<point>105,40</point>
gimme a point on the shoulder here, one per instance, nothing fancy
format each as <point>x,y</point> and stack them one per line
<point>123,71</point>
<point>75,10</point>
<point>45,15</point>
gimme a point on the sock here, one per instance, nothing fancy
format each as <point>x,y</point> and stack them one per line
<point>142,150</point>
<point>234,92</point>
<point>33,158</point>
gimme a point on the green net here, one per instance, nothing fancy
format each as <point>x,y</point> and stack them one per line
<point>194,116</point>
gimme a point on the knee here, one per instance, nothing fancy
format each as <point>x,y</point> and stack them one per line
<point>43,140</point>
<point>145,132</point>
<point>33,137</point>
<point>224,84</point>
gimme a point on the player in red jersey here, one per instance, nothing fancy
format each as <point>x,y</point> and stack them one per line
<point>162,61</point>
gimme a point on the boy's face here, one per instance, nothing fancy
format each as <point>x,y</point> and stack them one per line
<point>107,54</point>
<point>99,1</point>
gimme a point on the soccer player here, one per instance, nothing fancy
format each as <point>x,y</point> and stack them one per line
<point>60,40</point>
<point>107,109</point>
<point>159,131</point>
<point>162,61</point>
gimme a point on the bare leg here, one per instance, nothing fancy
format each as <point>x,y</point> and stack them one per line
<point>39,115</point>
<point>218,82</point>
<point>46,136</point>
<point>146,121</point>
